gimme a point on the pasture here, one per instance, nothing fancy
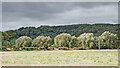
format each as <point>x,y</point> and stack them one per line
<point>61,57</point>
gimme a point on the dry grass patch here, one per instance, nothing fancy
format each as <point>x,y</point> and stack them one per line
<point>60,58</point>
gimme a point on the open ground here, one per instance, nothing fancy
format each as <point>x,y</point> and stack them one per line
<point>61,57</point>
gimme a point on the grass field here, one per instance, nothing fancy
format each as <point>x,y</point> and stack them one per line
<point>67,58</point>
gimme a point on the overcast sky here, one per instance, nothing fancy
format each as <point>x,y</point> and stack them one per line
<point>22,14</point>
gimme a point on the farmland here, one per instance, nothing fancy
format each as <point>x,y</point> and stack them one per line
<point>61,57</point>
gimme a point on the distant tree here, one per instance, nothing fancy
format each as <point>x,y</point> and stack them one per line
<point>97,42</point>
<point>3,36</point>
<point>5,43</point>
<point>8,35</point>
<point>74,41</point>
<point>86,40</point>
<point>23,41</point>
<point>41,41</point>
<point>63,40</point>
<point>76,30</point>
<point>108,39</point>
<point>13,42</point>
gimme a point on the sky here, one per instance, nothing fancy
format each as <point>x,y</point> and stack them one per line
<point>35,14</point>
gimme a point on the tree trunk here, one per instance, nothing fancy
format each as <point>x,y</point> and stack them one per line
<point>99,45</point>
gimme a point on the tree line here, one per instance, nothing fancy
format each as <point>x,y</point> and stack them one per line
<point>106,40</point>
<point>9,36</point>
<point>53,31</point>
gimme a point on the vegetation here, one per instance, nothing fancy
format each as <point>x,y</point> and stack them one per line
<point>63,40</point>
<point>86,40</point>
<point>98,36</point>
<point>68,58</point>
<point>76,30</point>
<point>23,41</point>
<point>68,37</point>
<point>41,41</point>
<point>108,40</point>
<point>8,36</point>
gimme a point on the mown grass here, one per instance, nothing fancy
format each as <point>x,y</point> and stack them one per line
<point>60,58</point>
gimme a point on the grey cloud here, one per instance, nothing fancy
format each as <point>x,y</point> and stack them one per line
<point>35,10</point>
<point>18,14</point>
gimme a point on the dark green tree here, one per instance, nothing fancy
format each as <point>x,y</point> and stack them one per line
<point>8,35</point>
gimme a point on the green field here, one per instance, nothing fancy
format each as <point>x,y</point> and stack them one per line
<point>67,58</point>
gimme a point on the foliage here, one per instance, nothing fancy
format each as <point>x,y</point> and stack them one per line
<point>5,43</point>
<point>63,40</point>
<point>74,30</point>
<point>96,42</point>
<point>108,39</point>
<point>86,40</point>
<point>105,36</point>
<point>74,41</point>
<point>41,41</point>
<point>8,36</point>
<point>23,41</point>
<point>13,42</point>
